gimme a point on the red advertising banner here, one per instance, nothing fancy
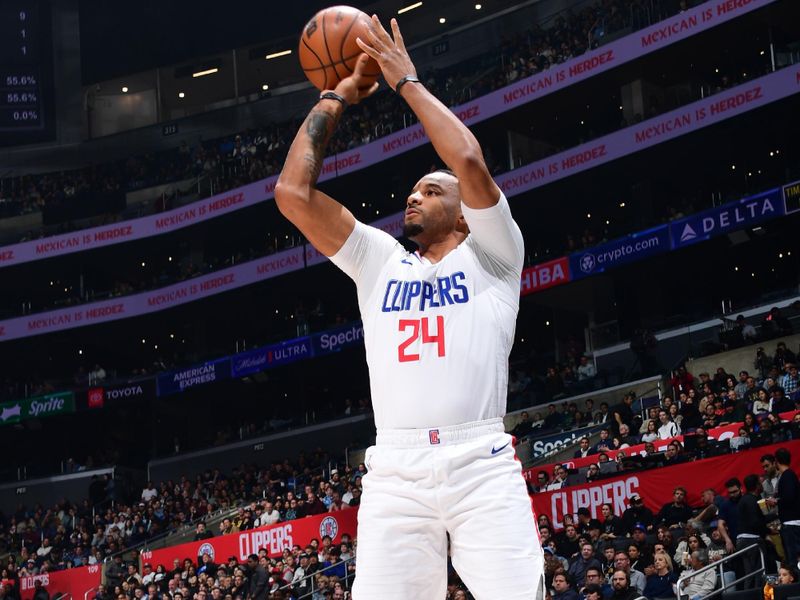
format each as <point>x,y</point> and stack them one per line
<point>720,433</point>
<point>545,275</point>
<point>655,486</point>
<point>73,583</point>
<point>272,537</point>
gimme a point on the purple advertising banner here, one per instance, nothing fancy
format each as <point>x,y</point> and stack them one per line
<point>161,299</point>
<point>618,52</point>
<point>686,119</point>
<point>690,118</point>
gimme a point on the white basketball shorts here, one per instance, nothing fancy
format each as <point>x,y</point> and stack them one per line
<point>423,484</point>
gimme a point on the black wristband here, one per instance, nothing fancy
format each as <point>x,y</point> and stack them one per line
<point>334,96</point>
<point>404,81</point>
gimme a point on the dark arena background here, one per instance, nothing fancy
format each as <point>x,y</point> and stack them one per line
<point>183,379</point>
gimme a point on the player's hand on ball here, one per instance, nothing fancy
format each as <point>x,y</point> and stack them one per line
<point>357,87</point>
<point>391,54</point>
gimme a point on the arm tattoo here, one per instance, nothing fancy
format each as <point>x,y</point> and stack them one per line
<point>319,127</point>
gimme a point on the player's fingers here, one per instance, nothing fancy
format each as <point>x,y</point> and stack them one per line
<point>398,37</point>
<point>380,32</point>
<point>369,91</point>
<point>368,50</point>
<point>360,62</point>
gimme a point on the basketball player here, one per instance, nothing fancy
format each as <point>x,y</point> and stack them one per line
<point>438,329</point>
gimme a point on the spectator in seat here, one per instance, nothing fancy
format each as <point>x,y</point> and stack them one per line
<point>689,543</point>
<point>775,324</point>
<point>553,419</point>
<point>258,580</point>
<point>667,428</point>
<point>562,588</point>
<point>584,450</point>
<point>201,533</point>
<point>40,593</point>
<point>524,426</point>
<point>637,515</point>
<point>592,473</point>
<point>593,591</point>
<point>586,369</point>
<point>702,584</point>
<point>659,583</point>
<point>682,380</point>
<point>582,563</point>
<point>625,437</point>
<point>270,515</point>
<point>149,492</point>
<point>677,512</point>
<point>622,413</point>
<point>636,579</point>
<point>788,503</point>
<point>752,528</point>
<point>780,403</point>
<point>650,433</point>
<point>604,443</point>
<point>791,381</point>
<point>621,588</point>
<point>748,333</point>
<point>594,576</point>
<point>787,575</point>
<point>613,526</point>
<point>559,480</point>
<point>568,542</point>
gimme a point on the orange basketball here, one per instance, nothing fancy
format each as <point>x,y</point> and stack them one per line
<point>328,49</point>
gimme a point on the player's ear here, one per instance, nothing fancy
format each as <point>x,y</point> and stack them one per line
<point>461,225</point>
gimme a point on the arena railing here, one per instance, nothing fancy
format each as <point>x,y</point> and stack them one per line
<point>346,581</point>
<point>725,582</point>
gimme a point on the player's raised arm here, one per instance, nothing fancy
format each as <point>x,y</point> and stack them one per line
<point>320,218</point>
<point>452,140</point>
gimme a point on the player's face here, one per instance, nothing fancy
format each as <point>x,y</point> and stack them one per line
<point>433,208</point>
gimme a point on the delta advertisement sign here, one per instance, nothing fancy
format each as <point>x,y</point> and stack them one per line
<point>655,485</point>
<point>273,538</point>
<point>628,48</point>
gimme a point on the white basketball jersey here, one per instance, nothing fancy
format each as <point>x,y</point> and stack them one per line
<point>438,336</point>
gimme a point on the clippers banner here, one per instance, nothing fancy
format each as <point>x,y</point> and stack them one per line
<point>272,537</point>
<point>71,583</point>
<point>655,485</point>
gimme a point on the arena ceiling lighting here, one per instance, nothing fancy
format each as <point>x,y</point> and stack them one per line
<point>206,72</point>
<point>405,9</point>
<point>278,54</point>
<point>125,89</point>
<point>442,20</point>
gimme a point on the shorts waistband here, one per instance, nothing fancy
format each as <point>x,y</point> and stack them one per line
<point>439,436</point>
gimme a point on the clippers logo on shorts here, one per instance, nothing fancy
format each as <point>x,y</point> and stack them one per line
<point>206,549</point>
<point>329,526</point>
<point>433,436</point>
<point>402,296</point>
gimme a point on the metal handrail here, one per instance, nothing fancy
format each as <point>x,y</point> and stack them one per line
<point>89,591</point>
<point>313,575</point>
<point>719,564</point>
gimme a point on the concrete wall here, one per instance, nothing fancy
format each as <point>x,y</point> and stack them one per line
<point>264,450</point>
<point>740,359</point>
<point>612,395</point>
